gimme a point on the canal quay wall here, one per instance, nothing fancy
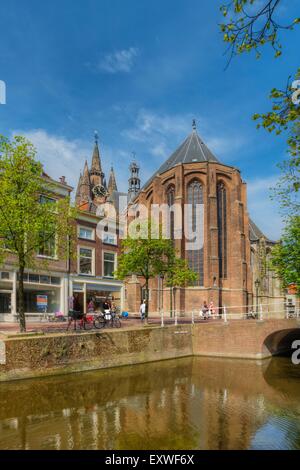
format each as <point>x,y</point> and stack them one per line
<point>53,354</point>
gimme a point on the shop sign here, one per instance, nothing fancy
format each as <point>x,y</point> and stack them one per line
<point>42,302</point>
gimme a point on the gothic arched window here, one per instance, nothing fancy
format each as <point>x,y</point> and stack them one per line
<point>196,257</point>
<point>170,202</point>
<point>222,229</point>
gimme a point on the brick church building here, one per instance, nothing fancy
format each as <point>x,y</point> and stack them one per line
<point>231,264</point>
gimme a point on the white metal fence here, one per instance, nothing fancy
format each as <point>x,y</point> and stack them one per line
<point>260,312</point>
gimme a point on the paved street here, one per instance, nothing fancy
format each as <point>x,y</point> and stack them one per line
<point>53,327</point>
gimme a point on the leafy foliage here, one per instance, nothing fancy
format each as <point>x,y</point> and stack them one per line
<point>286,255</point>
<point>285,116</point>
<point>28,222</point>
<point>251,28</point>
<point>148,257</point>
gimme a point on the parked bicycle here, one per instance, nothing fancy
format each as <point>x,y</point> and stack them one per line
<point>109,318</point>
<point>85,321</point>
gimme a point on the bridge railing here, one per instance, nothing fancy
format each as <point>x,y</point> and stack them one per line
<point>263,311</point>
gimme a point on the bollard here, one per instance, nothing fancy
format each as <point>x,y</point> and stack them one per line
<point>260,312</point>
<point>225,314</point>
<point>175,316</point>
<point>162,318</point>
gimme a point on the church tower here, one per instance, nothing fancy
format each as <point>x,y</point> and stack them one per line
<point>134,181</point>
<point>96,173</point>
<point>112,184</point>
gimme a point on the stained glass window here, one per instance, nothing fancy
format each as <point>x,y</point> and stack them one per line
<point>196,257</point>
<point>222,229</point>
<point>170,202</point>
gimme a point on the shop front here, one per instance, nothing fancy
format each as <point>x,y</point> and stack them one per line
<point>98,291</point>
<point>43,294</point>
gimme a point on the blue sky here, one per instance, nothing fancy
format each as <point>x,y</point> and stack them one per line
<point>139,71</point>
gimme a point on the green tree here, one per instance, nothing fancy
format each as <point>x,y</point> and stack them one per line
<point>148,257</point>
<point>176,274</point>
<point>285,117</point>
<point>249,26</point>
<point>252,24</point>
<point>30,220</point>
<point>286,255</point>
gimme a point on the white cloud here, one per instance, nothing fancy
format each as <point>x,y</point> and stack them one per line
<point>162,133</point>
<point>263,210</point>
<point>65,157</point>
<point>119,61</point>
<point>59,155</point>
<point>225,145</point>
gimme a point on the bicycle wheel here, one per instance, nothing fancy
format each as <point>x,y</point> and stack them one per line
<point>116,323</point>
<point>99,322</point>
<point>88,324</point>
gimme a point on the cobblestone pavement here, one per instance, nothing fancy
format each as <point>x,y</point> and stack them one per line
<point>53,327</point>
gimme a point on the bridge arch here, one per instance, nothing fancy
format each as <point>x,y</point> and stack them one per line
<point>280,342</point>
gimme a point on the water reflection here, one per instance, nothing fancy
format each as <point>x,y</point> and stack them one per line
<point>193,403</point>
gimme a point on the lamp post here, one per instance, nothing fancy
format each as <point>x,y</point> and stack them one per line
<point>257,284</point>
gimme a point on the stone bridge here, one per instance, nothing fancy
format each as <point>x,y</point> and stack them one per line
<point>251,339</point>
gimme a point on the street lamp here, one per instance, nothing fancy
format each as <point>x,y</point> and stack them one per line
<point>257,284</point>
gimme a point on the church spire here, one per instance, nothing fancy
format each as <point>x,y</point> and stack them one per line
<point>96,162</point>
<point>78,191</point>
<point>112,184</point>
<point>134,180</point>
<point>96,172</point>
<point>83,194</point>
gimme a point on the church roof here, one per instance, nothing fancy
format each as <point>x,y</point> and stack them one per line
<point>255,233</point>
<point>192,150</point>
<point>114,198</point>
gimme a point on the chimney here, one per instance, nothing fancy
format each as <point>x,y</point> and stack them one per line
<point>62,179</point>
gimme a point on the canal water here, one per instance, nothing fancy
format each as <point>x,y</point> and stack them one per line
<point>191,403</point>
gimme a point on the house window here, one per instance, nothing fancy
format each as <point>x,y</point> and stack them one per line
<point>195,257</point>
<point>86,233</point>
<point>85,261</point>
<point>46,199</point>
<point>108,236</point>
<point>5,275</point>
<point>47,245</point>
<point>109,264</point>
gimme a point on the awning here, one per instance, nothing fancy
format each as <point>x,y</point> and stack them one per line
<point>103,287</point>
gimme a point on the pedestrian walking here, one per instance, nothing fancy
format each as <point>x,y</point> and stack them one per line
<point>143,310</point>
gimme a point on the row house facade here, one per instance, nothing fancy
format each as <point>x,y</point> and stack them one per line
<point>87,276</point>
<point>46,290</point>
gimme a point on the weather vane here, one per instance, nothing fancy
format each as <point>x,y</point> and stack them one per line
<point>96,136</point>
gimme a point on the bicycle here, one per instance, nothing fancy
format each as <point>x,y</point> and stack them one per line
<point>86,321</point>
<point>109,319</point>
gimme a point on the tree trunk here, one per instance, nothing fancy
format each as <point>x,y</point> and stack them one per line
<point>174,302</point>
<point>21,306</point>
<point>147,299</point>
<point>171,301</point>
